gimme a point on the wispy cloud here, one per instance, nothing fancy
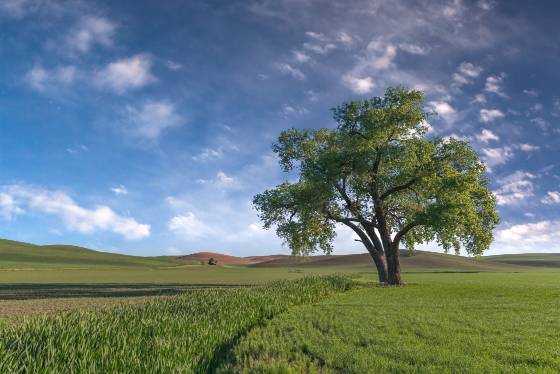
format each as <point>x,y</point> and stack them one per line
<point>126,74</point>
<point>287,69</point>
<point>17,199</point>
<point>119,190</point>
<point>150,119</point>
<point>490,115</point>
<point>514,188</point>
<point>90,31</point>
<point>359,85</point>
<point>496,156</point>
<point>494,85</point>
<point>41,79</point>
<point>486,136</point>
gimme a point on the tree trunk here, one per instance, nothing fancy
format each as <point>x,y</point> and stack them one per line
<point>381,265</point>
<point>393,266</point>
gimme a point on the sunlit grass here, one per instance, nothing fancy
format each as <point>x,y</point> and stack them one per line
<point>440,323</point>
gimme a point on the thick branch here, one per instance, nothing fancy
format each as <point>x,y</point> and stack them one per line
<point>396,189</point>
<point>370,243</point>
<point>403,232</point>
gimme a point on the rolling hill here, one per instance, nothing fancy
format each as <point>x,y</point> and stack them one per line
<point>419,261</point>
<point>18,255</point>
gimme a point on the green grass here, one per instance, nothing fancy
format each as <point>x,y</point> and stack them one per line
<point>187,275</point>
<point>188,333</point>
<point>441,323</point>
<point>18,255</point>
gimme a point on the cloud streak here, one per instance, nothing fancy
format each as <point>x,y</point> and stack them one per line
<point>19,199</point>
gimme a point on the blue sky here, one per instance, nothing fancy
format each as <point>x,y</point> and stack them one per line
<point>145,127</point>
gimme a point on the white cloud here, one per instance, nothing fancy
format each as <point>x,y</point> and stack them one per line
<point>37,78</point>
<point>486,135</point>
<point>494,84</point>
<point>453,9</point>
<point>489,115</point>
<point>528,147</point>
<point>531,92</point>
<point>221,181</point>
<point>288,109</point>
<point>287,69</point>
<point>466,72</point>
<point>320,49</point>
<point>480,98</point>
<point>541,236</point>
<point>321,43</point>
<point>300,56</point>
<point>556,106</point>
<point>496,156</point>
<point>316,36</point>
<point>76,217</point>
<point>90,31</point>
<point>173,65</point>
<point>539,121</point>
<point>552,197</point>
<point>359,85</point>
<point>119,190</point>
<point>225,181</point>
<point>77,149</point>
<point>312,96</point>
<point>126,74</point>
<point>190,226</point>
<point>486,5</point>
<point>15,8</point>
<point>381,54</point>
<point>444,109</point>
<point>8,206</point>
<point>470,70</point>
<point>208,154</point>
<point>414,49</point>
<point>514,188</point>
<point>344,38</point>
<point>41,79</point>
<point>152,118</point>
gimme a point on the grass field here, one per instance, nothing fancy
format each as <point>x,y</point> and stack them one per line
<point>114,313</point>
<point>441,323</point>
<point>189,333</point>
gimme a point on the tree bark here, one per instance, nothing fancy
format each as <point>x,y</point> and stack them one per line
<point>393,265</point>
<point>381,265</point>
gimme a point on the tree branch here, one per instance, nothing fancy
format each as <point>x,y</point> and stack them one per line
<point>396,189</point>
<point>403,231</point>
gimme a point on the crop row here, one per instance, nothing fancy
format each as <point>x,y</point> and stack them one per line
<point>190,333</point>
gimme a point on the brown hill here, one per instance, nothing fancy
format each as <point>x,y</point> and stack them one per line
<point>420,260</point>
<point>230,260</point>
<point>221,258</point>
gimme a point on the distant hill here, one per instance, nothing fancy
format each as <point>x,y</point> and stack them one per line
<point>527,259</point>
<point>18,255</point>
<point>418,261</point>
<point>230,260</point>
<point>221,258</point>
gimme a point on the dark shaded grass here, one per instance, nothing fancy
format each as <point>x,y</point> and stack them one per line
<point>73,290</point>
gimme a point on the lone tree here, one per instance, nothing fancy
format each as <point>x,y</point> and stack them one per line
<point>379,175</point>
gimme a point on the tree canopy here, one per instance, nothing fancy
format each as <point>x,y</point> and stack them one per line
<point>379,174</point>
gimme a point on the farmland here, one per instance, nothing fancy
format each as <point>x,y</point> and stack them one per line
<point>460,323</point>
<point>84,310</point>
